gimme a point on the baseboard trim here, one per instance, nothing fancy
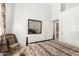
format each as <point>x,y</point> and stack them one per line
<point>40,41</point>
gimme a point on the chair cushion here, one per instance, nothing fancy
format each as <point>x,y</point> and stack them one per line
<point>14,45</point>
<point>11,41</point>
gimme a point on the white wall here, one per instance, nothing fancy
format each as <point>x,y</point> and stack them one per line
<point>66,6</point>
<point>71,5</point>
<point>69,26</point>
<point>55,11</point>
<point>9,17</point>
<point>62,7</point>
<point>22,12</point>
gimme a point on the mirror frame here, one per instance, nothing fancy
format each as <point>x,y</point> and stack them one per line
<point>35,21</point>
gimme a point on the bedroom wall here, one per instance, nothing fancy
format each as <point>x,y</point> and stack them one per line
<point>71,5</point>
<point>22,12</point>
<point>69,26</point>
<point>9,17</point>
<point>66,6</point>
<point>55,11</point>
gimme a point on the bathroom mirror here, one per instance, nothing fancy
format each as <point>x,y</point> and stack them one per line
<point>34,26</point>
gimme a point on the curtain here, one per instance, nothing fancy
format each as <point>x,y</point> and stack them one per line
<point>1,20</point>
<point>1,26</point>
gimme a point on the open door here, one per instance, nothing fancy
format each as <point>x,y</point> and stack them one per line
<point>55,29</point>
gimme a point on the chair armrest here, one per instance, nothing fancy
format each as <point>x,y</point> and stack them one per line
<point>14,45</point>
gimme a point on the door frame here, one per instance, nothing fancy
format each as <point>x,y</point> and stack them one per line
<point>55,29</point>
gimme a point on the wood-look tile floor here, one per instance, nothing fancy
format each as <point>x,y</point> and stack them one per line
<point>49,48</point>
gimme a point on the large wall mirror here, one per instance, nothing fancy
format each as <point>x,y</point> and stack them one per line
<point>34,26</point>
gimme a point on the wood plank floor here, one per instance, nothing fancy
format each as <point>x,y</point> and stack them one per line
<point>49,48</point>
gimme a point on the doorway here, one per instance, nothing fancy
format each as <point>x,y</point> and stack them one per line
<point>55,29</point>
